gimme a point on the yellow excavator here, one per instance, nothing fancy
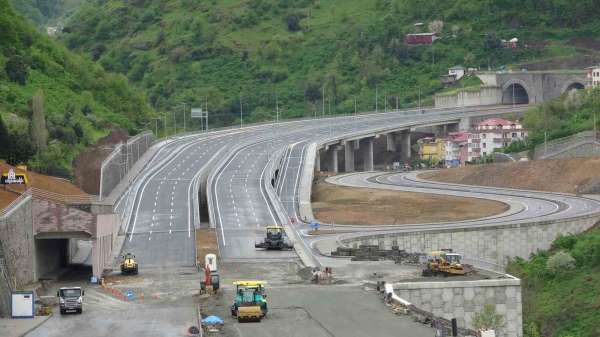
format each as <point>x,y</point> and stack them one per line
<point>445,263</point>
<point>250,304</point>
<point>129,265</point>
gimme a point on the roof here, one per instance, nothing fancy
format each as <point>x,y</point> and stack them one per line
<point>249,283</point>
<point>421,34</point>
<point>458,136</point>
<point>496,121</point>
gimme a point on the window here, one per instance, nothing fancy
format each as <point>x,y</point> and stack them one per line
<point>484,145</point>
<point>484,153</point>
<point>514,135</point>
<point>483,135</point>
<point>522,134</point>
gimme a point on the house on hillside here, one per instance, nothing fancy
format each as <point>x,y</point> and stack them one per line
<point>432,149</point>
<point>512,43</point>
<point>491,134</point>
<point>454,75</point>
<point>456,149</point>
<point>420,38</point>
<point>593,75</point>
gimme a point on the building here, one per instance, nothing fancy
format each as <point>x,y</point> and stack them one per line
<point>512,43</point>
<point>492,134</point>
<point>456,149</point>
<point>454,75</point>
<point>593,75</point>
<point>432,149</point>
<point>420,38</point>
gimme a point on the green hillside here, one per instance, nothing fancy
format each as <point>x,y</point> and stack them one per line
<point>184,50</point>
<point>79,100</point>
<point>42,12</point>
<point>561,288</point>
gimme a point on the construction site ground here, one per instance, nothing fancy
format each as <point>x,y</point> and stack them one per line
<point>566,175</point>
<point>206,243</point>
<point>352,206</point>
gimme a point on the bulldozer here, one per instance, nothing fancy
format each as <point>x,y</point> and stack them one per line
<point>250,304</point>
<point>129,265</point>
<point>445,263</point>
<point>275,239</point>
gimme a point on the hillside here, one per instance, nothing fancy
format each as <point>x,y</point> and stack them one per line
<point>46,12</point>
<point>561,288</point>
<point>73,100</point>
<point>290,51</point>
<point>571,175</point>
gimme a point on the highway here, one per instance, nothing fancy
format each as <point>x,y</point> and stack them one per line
<point>161,228</point>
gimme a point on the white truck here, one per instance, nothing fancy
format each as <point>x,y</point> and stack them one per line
<point>70,299</point>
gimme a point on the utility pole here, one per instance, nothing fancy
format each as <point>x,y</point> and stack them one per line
<point>276,109</point>
<point>419,98</point>
<point>241,112</point>
<point>165,125</point>
<point>376,98</point>
<point>385,101</point>
<point>355,107</point>
<point>323,101</point>
<point>184,104</point>
<point>174,123</point>
<point>397,104</point>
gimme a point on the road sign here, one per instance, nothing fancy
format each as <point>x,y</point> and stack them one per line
<point>315,225</point>
<point>197,113</point>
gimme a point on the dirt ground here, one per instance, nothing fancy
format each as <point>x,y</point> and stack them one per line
<point>566,175</point>
<point>350,206</point>
<point>48,183</point>
<point>86,167</point>
<point>206,242</point>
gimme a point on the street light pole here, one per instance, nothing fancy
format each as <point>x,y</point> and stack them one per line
<point>376,98</point>
<point>174,123</point>
<point>241,113</point>
<point>184,104</point>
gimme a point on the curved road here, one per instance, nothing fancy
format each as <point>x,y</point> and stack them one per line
<point>525,205</point>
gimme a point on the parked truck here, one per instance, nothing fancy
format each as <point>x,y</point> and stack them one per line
<point>70,299</point>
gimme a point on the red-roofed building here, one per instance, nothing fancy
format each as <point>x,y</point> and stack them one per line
<point>491,134</point>
<point>456,148</point>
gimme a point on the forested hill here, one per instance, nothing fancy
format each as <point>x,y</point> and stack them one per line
<point>72,99</point>
<point>185,50</point>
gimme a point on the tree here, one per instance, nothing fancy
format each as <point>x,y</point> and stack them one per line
<point>488,319</point>
<point>560,262</point>
<point>492,41</point>
<point>436,26</point>
<point>293,23</point>
<point>4,140</point>
<point>16,69</point>
<point>38,130</point>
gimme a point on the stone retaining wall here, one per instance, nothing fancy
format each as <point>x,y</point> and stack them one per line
<point>493,245</point>
<point>463,299</point>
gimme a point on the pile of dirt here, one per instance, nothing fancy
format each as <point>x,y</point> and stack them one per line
<point>581,175</point>
<point>44,182</point>
<point>86,167</point>
<point>206,243</point>
<point>352,206</point>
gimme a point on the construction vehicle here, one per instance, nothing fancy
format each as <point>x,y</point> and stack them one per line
<point>211,274</point>
<point>70,299</point>
<point>129,265</point>
<point>250,304</point>
<point>275,239</point>
<point>446,263</point>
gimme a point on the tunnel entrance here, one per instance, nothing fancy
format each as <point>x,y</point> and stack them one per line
<point>57,257</point>
<point>515,94</point>
<point>574,86</point>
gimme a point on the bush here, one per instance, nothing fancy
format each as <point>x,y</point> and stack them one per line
<point>17,69</point>
<point>293,23</point>
<point>560,262</point>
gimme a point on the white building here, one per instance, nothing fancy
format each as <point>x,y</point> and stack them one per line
<point>594,76</point>
<point>491,134</point>
<point>458,72</point>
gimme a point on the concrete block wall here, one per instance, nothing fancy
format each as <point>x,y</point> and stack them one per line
<point>489,95</point>
<point>17,236</point>
<point>487,247</point>
<point>464,299</point>
<point>5,286</point>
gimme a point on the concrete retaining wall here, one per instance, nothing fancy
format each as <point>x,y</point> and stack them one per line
<point>486,247</point>
<point>463,299</point>
<point>582,144</point>
<point>16,234</point>
<point>488,95</point>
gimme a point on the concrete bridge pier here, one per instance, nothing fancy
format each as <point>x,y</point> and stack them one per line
<point>332,154</point>
<point>390,142</point>
<point>405,145</point>
<point>318,161</point>
<point>349,147</point>
<point>367,153</point>
<point>465,123</point>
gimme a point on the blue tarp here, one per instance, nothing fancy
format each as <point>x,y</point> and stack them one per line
<point>212,320</point>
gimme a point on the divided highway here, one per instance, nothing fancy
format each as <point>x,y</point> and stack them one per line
<point>161,229</point>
